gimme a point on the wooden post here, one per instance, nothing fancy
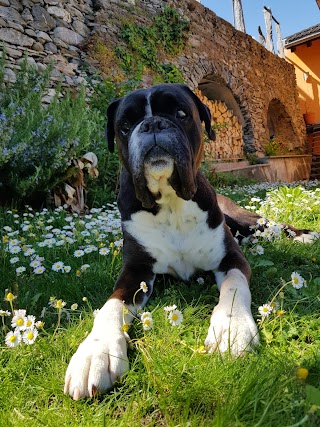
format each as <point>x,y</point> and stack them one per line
<point>262,38</point>
<point>238,15</point>
<point>268,21</point>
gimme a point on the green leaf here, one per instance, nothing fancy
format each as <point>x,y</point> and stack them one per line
<point>312,395</point>
<point>263,263</point>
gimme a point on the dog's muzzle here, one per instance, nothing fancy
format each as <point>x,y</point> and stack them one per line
<point>158,148</point>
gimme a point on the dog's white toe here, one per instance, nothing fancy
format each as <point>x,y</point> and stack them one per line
<point>96,366</point>
<point>235,333</point>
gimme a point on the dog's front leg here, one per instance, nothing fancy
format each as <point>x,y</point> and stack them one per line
<point>102,357</point>
<point>232,328</point>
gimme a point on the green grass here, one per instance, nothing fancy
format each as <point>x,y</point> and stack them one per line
<point>171,381</point>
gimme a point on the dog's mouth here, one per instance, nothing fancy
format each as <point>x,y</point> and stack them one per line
<point>158,163</point>
<point>164,165</point>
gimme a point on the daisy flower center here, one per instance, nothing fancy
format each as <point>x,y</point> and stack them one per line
<point>13,338</point>
<point>20,322</point>
<point>30,336</point>
<point>174,317</point>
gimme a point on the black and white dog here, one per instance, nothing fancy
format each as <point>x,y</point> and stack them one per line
<point>173,222</point>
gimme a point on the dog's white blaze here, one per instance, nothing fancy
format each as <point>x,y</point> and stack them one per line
<point>148,109</point>
<point>178,237</point>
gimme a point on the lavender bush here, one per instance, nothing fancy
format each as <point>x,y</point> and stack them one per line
<point>37,143</point>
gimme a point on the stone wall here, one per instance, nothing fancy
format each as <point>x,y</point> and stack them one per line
<point>55,30</point>
<point>229,133</point>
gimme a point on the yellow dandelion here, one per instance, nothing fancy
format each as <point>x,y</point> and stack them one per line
<point>302,373</point>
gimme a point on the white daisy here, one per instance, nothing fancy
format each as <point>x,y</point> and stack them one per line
<point>29,252</point>
<point>19,320</point>
<point>260,250</point>
<point>39,270</point>
<point>20,270</point>
<point>66,268</point>
<point>175,317</point>
<point>30,321</point>
<point>14,260</point>
<point>297,280</point>
<point>78,253</point>
<point>170,307</point>
<point>84,267</point>
<point>14,249</point>
<point>147,321</point>
<point>104,251</point>
<point>58,266</point>
<point>29,336</point>
<point>13,338</point>
<point>144,315</point>
<point>5,313</point>
<point>74,306</point>
<point>265,310</point>
<point>35,263</point>
<point>261,221</point>
<point>144,287</point>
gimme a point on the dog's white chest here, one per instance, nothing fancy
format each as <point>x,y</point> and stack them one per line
<point>178,238</point>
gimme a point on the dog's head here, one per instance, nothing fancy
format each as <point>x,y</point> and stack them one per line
<point>159,136</point>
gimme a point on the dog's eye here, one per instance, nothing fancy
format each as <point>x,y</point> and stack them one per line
<point>181,114</point>
<point>125,127</point>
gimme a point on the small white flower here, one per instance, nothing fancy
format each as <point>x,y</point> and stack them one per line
<point>13,338</point>
<point>200,280</point>
<point>15,249</point>
<point>175,317</point>
<point>66,268</point>
<point>39,270</point>
<point>78,253</point>
<point>35,263</point>
<point>265,310</point>
<point>58,266</point>
<point>261,221</point>
<point>85,267</point>
<point>30,321</point>
<point>29,252</point>
<point>297,280</point>
<point>20,270</point>
<point>104,251</point>
<point>260,250</point>
<point>170,307</point>
<point>146,320</point>
<point>74,306</point>
<point>14,260</point>
<point>29,336</point>
<point>5,313</point>
<point>144,287</point>
<point>19,320</point>
<point>144,315</point>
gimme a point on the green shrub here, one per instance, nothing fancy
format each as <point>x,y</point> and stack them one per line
<point>146,45</point>
<point>37,143</point>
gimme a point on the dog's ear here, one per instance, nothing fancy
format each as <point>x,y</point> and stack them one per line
<point>109,131</point>
<point>204,113</point>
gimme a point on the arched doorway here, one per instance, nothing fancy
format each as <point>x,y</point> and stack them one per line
<point>280,126</point>
<point>227,119</point>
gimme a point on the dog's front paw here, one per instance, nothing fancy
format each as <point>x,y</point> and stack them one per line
<point>235,333</point>
<point>96,365</point>
<point>307,237</point>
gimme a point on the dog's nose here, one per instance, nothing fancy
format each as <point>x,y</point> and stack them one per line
<point>154,125</point>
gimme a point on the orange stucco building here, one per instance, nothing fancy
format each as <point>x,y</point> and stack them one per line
<point>302,50</point>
